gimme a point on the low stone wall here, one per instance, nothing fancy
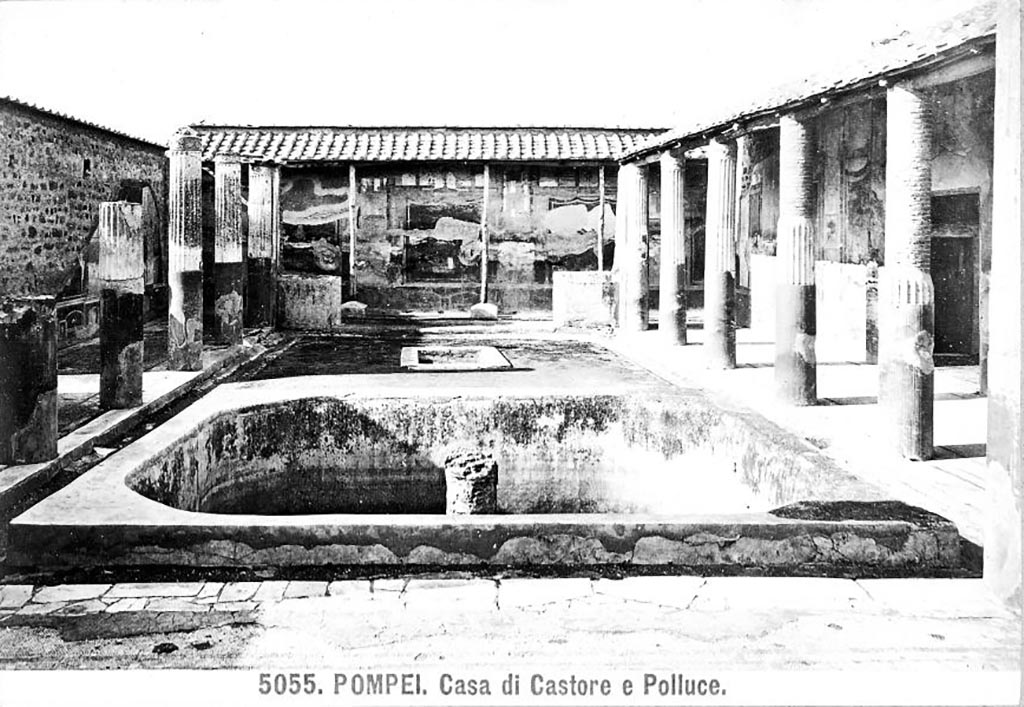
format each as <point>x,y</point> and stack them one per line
<point>309,302</point>
<point>584,298</point>
<point>762,296</point>
<point>841,302</point>
<point>842,307</point>
<point>455,296</point>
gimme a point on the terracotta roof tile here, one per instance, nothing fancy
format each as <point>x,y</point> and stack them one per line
<point>312,144</point>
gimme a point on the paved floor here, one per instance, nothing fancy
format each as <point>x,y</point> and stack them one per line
<point>641,622</point>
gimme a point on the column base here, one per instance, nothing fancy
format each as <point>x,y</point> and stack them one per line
<point>261,293</point>
<point>121,349</point>
<point>795,362</point>
<point>720,320</point>
<point>672,310</point>
<point>907,381</point>
<point>229,283</point>
<point>185,322</point>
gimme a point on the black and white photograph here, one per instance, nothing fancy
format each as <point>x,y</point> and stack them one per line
<point>511,352</point>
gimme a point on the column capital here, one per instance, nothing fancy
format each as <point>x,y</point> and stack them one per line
<point>719,148</point>
<point>185,140</point>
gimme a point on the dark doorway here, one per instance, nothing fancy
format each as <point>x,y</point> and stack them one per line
<point>955,225</point>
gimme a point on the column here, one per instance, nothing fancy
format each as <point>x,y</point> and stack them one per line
<point>353,194</point>
<point>264,225</point>
<point>795,321</point>
<point>484,246</point>
<point>122,270</point>
<point>28,380</point>
<point>1005,372</point>
<point>228,264</point>
<point>720,257</point>
<point>185,253</point>
<point>672,280</point>
<point>600,217</point>
<point>633,241</point>
<point>621,202</point>
<point>906,296</point>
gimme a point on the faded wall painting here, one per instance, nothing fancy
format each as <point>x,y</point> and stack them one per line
<point>422,223</point>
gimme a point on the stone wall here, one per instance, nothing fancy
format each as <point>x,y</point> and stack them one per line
<point>841,302</point>
<point>54,173</point>
<point>583,299</point>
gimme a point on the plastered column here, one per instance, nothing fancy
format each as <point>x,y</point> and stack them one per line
<point>906,295</point>
<point>634,290</point>
<point>1005,376</point>
<point>795,322</point>
<point>122,272</point>
<point>720,257</point>
<point>672,277</point>
<point>228,260</point>
<point>185,253</point>
<point>28,380</point>
<point>264,237</point>
<point>485,253</point>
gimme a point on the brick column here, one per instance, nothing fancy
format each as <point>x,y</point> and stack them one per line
<point>228,263</point>
<point>906,296</point>
<point>185,253</point>
<point>720,257</point>
<point>28,380</point>
<point>795,325</point>
<point>264,236</point>
<point>672,277</point>
<point>122,270</point>
<point>1004,516</point>
<point>634,295</point>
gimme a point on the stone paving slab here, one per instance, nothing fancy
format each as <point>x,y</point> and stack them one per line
<point>524,592</point>
<point>156,589</point>
<point>69,592</point>
<point>175,604</point>
<point>815,594</point>
<point>238,591</point>
<point>458,594</point>
<point>299,590</point>
<point>351,588</point>
<point>134,604</point>
<point>13,596</point>
<point>934,597</point>
<point>677,592</point>
<point>270,591</point>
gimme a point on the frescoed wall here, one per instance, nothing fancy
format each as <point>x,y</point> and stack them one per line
<point>418,229</point>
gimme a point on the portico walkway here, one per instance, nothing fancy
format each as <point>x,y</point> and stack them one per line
<point>846,424</point>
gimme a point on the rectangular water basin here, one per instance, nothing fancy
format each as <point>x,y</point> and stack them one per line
<point>299,472</point>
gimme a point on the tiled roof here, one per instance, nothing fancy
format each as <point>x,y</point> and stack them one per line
<point>380,144</point>
<point>908,51</point>
<point>8,100</point>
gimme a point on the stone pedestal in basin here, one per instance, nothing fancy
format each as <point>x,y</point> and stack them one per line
<point>472,482</point>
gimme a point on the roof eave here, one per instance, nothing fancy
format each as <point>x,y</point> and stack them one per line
<point>825,98</point>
